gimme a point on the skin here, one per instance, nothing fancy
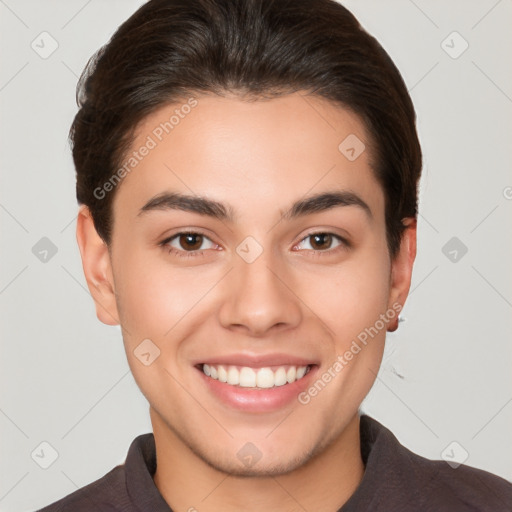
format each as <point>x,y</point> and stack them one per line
<point>295,298</point>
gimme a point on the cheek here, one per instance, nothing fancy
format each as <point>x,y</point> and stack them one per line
<point>353,296</point>
<point>146,296</point>
<point>154,297</point>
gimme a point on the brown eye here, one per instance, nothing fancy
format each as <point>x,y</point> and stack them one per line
<point>322,241</point>
<point>187,242</point>
<point>190,241</point>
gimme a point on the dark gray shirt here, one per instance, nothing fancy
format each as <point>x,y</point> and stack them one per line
<point>395,479</point>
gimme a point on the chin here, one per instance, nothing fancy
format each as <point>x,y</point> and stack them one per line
<point>259,468</point>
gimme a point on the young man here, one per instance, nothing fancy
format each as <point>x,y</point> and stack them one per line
<point>247,172</point>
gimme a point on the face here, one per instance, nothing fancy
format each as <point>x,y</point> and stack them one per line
<point>254,309</point>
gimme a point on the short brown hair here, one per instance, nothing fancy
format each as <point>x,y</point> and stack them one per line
<point>169,49</point>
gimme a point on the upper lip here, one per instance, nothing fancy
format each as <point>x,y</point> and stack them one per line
<point>257,360</point>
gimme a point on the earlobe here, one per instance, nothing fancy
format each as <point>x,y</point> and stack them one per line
<point>97,267</point>
<point>401,270</point>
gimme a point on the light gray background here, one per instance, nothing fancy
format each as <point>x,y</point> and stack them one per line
<point>446,373</point>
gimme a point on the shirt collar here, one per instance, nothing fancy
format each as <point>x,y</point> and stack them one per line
<point>140,466</point>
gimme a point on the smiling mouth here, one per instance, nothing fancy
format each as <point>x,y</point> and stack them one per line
<point>256,378</point>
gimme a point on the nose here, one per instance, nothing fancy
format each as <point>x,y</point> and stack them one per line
<point>259,297</point>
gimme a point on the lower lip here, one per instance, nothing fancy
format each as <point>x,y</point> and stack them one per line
<point>258,400</point>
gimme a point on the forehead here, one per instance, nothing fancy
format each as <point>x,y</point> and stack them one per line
<point>270,151</point>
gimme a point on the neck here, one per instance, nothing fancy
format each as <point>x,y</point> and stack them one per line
<point>324,484</point>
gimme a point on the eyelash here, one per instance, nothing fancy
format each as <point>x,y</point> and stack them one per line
<point>344,244</point>
<point>181,253</point>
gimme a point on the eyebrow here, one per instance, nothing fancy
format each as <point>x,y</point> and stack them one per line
<point>211,208</point>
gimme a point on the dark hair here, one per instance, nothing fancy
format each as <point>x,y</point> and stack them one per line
<point>169,49</point>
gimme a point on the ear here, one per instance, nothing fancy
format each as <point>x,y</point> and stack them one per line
<point>97,267</point>
<point>401,269</point>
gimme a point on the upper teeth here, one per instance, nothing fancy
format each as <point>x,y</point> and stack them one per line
<point>255,378</point>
